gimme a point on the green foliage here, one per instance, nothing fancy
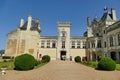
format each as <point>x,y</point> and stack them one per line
<point>106,64</point>
<point>37,62</point>
<point>9,65</point>
<point>91,64</point>
<point>99,58</point>
<point>24,62</point>
<point>6,57</point>
<point>45,58</point>
<point>118,67</point>
<point>77,59</point>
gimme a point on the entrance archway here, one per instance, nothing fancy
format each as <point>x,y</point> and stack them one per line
<point>113,55</point>
<point>63,55</point>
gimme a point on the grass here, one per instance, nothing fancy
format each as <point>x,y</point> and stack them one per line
<point>118,67</point>
<point>94,65</point>
<point>40,65</point>
<point>10,65</point>
<point>91,64</point>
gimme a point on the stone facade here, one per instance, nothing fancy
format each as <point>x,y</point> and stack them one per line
<point>102,38</point>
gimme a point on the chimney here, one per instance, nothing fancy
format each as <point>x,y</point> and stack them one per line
<point>21,22</point>
<point>29,22</point>
<point>113,12</point>
<point>88,21</point>
<point>38,22</point>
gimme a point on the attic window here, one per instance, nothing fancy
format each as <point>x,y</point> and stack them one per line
<point>104,31</point>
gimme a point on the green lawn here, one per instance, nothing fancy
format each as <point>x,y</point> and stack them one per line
<point>42,64</point>
<point>118,67</point>
<point>91,64</point>
<point>94,64</point>
<point>10,65</point>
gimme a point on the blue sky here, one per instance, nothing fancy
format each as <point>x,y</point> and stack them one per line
<point>49,12</point>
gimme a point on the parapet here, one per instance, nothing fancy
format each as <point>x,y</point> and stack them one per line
<point>63,24</point>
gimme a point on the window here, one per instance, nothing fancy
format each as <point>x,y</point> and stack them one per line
<point>89,45</point>
<point>105,44</point>
<point>48,44</point>
<point>53,45</point>
<point>111,41</point>
<point>93,44</point>
<point>104,31</point>
<point>63,44</point>
<point>63,34</point>
<point>99,44</point>
<point>119,39</point>
<point>84,44</point>
<point>78,44</point>
<point>73,44</point>
<point>42,45</point>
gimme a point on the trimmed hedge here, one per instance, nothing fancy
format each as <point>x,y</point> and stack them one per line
<point>24,62</point>
<point>45,58</point>
<point>37,62</point>
<point>7,57</point>
<point>77,59</point>
<point>106,64</point>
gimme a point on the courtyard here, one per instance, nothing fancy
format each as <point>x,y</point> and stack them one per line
<point>61,70</point>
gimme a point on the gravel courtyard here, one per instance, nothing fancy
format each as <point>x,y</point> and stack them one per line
<point>61,70</point>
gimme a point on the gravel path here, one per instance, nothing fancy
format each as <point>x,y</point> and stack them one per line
<point>61,70</point>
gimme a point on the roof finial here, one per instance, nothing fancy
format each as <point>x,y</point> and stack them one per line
<point>105,9</point>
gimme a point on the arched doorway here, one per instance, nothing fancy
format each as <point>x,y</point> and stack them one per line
<point>63,55</point>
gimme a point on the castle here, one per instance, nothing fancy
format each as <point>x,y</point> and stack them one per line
<point>102,38</point>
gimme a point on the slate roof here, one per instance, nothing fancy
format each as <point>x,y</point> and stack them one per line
<point>34,25</point>
<point>107,16</point>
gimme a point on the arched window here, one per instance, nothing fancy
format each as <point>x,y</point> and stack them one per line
<point>63,44</point>
<point>119,39</point>
<point>111,41</point>
<point>63,33</point>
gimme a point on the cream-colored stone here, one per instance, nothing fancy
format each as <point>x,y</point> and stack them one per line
<point>95,43</point>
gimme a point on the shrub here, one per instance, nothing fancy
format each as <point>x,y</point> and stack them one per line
<point>4,60</point>
<point>6,57</point>
<point>91,64</point>
<point>37,62</point>
<point>106,64</point>
<point>77,59</point>
<point>24,62</point>
<point>45,58</point>
<point>99,58</point>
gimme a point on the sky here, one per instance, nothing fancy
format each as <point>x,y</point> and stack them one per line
<point>49,12</point>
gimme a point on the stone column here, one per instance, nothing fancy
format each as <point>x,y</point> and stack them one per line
<point>96,49</point>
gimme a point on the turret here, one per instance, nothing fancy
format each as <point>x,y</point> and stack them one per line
<point>88,21</point>
<point>89,28</point>
<point>29,22</point>
<point>105,9</point>
<point>38,22</point>
<point>21,22</point>
<point>113,12</point>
